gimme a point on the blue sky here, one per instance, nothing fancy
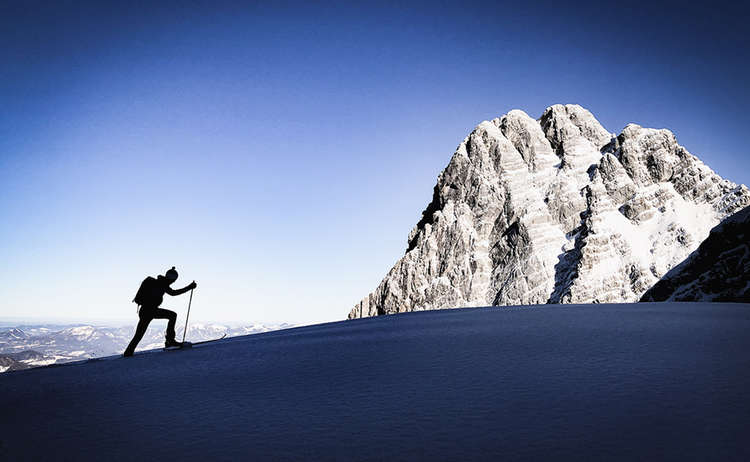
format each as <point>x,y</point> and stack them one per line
<point>280,155</point>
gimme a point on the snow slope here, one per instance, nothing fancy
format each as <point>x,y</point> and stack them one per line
<point>647,381</point>
<point>719,270</point>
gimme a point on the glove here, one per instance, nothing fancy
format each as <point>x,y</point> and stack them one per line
<point>193,285</point>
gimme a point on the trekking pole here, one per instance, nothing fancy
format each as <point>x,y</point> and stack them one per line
<point>188,315</point>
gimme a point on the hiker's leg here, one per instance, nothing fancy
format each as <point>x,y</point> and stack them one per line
<point>171,316</point>
<point>139,331</point>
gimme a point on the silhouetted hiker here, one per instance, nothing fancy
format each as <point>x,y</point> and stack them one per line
<point>149,297</point>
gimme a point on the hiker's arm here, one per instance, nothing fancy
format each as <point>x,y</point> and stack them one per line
<point>173,292</point>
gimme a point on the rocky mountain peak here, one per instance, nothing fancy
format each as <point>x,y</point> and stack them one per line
<point>566,126</point>
<point>555,210</point>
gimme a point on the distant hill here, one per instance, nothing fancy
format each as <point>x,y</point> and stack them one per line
<point>40,345</point>
<point>11,362</point>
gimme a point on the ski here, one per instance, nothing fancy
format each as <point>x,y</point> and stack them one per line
<point>212,340</point>
<point>190,344</point>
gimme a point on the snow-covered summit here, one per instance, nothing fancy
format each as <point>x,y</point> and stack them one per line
<point>81,332</point>
<point>555,210</point>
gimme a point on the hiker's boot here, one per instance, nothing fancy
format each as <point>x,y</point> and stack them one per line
<point>172,343</point>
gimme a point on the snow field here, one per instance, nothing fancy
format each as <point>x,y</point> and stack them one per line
<point>647,381</point>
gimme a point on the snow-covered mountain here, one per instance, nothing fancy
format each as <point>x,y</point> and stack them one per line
<point>719,270</point>
<point>643,381</point>
<point>555,210</point>
<point>12,334</point>
<point>33,346</point>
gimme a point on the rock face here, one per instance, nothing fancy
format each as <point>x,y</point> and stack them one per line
<point>718,271</point>
<point>555,210</point>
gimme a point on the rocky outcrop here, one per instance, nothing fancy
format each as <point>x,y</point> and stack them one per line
<point>718,271</point>
<point>9,364</point>
<point>555,210</point>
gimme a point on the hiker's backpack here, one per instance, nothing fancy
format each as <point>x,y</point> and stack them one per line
<point>148,293</point>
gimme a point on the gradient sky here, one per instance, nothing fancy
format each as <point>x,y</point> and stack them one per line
<point>280,155</point>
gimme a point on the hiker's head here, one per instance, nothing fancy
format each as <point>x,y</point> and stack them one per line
<point>171,275</point>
